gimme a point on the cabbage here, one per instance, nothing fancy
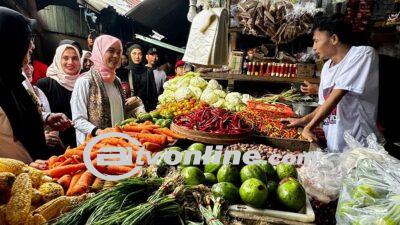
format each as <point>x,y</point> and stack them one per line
<point>209,97</point>
<point>183,93</point>
<point>184,81</point>
<point>196,91</point>
<point>246,98</point>
<point>240,107</point>
<point>230,106</point>
<point>164,98</point>
<point>199,82</point>
<point>214,85</point>
<point>220,103</point>
<point>220,93</point>
<point>170,85</point>
<point>234,98</point>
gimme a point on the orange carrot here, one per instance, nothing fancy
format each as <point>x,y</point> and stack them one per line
<point>117,170</point>
<point>155,138</point>
<point>145,132</point>
<point>138,128</point>
<point>71,152</point>
<point>61,158</point>
<point>152,147</point>
<point>66,162</point>
<point>97,184</point>
<point>62,170</point>
<point>168,132</point>
<point>83,184</point>
<point>170,139</point>
<point>148,122</point>
<point>56,164</point>
<point>73,182</point>
<point>76,159</point>
<point>52,160</point>
<point>64,181</point>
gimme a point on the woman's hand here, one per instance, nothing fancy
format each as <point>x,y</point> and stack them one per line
<point>58,121</point>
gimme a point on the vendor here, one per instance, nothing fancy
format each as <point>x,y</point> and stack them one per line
<point>97,100</point>
<point>21,126</point>
<point>348,92</point>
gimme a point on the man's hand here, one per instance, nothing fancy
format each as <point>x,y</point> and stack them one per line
<point>58,121</point>
<point>292,122</point>
<point>52,139</point>
<point>99,131</point>
<point>309,88</point>
<point>309,135</point>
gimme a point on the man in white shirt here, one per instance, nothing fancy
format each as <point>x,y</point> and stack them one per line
<point>349,88</point>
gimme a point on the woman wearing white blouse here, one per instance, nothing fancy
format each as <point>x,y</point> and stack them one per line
<point>97,100</point>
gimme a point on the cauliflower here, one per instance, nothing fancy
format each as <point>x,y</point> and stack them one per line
<point>183,93</point>
<point>234,98</point>
<point>214,85</point>
<point>209,97</point>
<point>246,98</point>
<point>199,82</point>
<point>164,98</point>
<point>196,91</point>
<point>220,103</point>
<point>230,106</point>
<point>220,93</point>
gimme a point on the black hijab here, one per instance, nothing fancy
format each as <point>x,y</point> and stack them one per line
<point>18,105</point>
<point>144,82</point>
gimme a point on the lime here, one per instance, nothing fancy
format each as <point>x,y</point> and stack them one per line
<point>291,194</point>
<point>227,191</point>
<point>192,175</point>
<point>286,170</point>
<point>155,114</point>
<point>228,173</point>
<point>253,192</point>
<point>210,178</point>
<point>252,171</point>
<point>268,169</point>
<point>197,147</point>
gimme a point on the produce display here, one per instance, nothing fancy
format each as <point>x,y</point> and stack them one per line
<point>286,96</point>
<point>370,195</point>
<point>70,171</point>
<point>193,86</point>
<point>29,196</point>
<point>213,120</point>
<point>268,124</point>
<point>282,21</point>
<point>180,108</point>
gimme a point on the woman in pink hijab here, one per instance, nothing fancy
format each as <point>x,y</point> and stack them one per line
<point>97,101</point>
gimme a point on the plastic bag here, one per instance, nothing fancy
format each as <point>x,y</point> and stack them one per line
<point>323,173</point>
<point>370,193</point>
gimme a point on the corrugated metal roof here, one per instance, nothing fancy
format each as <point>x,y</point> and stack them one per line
<point>121,6</point>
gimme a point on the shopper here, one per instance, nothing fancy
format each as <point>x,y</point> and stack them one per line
<point>123,72</point>
<point>71,42</point>
<point>21,125</point>
<point>160,77</point>
<point>90,39</point>
<point>59,84</point>
<point>141,78</point>
<point>348,92</point>
<point>85,61</point>
<point>97,99</point>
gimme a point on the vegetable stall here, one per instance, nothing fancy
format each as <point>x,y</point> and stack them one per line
<point>196,167</point>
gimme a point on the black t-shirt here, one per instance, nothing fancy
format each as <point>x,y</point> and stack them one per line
<point>59,100</point>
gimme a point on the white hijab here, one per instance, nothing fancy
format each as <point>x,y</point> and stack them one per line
<point>56,72</point>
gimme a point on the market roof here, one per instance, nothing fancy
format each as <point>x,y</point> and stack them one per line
<point>167,17</point>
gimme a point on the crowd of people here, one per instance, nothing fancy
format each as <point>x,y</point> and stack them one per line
<point>44,109</point>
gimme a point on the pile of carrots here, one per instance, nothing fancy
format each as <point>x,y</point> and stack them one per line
<point>71,173</point>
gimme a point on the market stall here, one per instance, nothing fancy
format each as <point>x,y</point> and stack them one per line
<point>211,155</point>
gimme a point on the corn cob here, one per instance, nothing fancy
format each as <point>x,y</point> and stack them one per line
<point>36,197</point>
<point>55,207</point>
<point>3,214</point>
<point>38,177</point>
<point>35,219</point>
<point>11,165</point>
<point>6,180</point>
<point>20,202</point>
<point>50,191</point>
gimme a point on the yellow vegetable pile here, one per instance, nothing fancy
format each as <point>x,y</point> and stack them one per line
<point>29,196</point>
<point>183,107</point>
